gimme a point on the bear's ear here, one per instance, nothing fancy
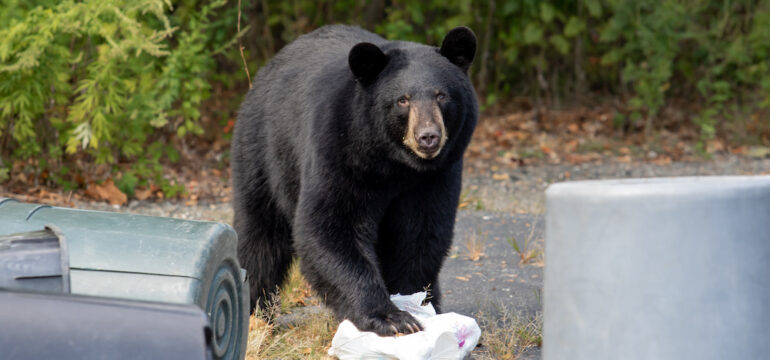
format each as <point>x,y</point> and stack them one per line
<point>366,61</point>
<point>459,47</point>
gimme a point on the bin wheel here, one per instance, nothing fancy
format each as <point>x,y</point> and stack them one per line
<point>222,308</point>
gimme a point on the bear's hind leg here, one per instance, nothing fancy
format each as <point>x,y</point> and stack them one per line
<point>264,245</point>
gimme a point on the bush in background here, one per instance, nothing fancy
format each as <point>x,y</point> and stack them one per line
<point>119,81</point>
<point>107,80</point>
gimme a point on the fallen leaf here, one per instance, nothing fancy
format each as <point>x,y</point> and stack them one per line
<point>715,145</point>
<point>571,146</point>
<point>519,135</point>
<point>229,126</point>
<point>107,191</point>
<point>20,177</point>
<point>740,150</point>
<point>581,158</point>
<point>500,177</point>
<point>463,278</point>
<point>142,194</point>
<point>662,160</point>
<point>623,159</point>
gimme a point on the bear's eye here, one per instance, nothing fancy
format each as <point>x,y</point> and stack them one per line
<point>440,96</point>
<point>403,101</point>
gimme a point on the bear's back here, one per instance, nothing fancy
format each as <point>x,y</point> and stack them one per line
<point>293,92</point>
<point>323,52</point>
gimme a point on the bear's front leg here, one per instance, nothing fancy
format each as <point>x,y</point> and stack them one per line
<point>335,230</point>
<point>416,234</point>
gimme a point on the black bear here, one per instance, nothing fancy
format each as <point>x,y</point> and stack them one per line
<point>348,154</point>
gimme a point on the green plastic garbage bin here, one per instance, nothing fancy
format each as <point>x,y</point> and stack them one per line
<point>149,258</point>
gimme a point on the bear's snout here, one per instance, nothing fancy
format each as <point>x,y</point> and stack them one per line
<point>428,138</point>
<point>425,134</point>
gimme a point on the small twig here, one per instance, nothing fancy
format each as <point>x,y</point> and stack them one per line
<point>240,45</point>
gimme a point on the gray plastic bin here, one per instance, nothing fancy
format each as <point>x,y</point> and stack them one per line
<point>64,327</point>
<point>665,268</point>
<point>34,260</point>
<point>149,258</point>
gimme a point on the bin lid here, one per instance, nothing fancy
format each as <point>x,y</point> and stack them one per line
<point>106,241</point>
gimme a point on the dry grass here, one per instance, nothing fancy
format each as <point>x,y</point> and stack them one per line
<point>507,336</point>
<point>474,244</point>
<point>529,252</point>
<point>469,199</point>
<point>309,340</point>
<point>296,291</point>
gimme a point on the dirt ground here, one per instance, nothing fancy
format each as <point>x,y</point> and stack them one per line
<point>518,190</point>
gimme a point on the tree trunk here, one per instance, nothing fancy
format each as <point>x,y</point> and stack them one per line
<point>482,77</point>
<point>580,75</point>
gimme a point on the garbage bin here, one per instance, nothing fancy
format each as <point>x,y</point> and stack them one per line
<point>50,326</point>
<point>664,268</point>
<point>35,260</point>
<point>148,258</point>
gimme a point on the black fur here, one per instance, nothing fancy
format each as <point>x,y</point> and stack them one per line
<point>320,171</point>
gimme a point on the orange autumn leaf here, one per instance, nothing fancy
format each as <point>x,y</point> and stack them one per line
<point>107,191</point>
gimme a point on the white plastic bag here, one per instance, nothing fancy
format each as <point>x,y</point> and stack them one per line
<point>445,336</point>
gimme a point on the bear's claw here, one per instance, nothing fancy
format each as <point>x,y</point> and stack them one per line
<point>390,324</point>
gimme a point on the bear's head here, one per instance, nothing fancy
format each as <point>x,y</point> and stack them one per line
<point>422,100</point>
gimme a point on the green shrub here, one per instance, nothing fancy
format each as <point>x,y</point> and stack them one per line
<point>101,78</point>
<point>643,52</point>
<point>117,81</point>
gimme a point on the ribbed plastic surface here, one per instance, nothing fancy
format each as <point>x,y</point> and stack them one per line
<point>35,260</point>
<point>47,326</point>
<point>666,268</point>
<point>149,258</point>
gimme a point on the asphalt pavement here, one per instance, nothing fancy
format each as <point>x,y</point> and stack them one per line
<point>498,278</point>
<point>497,281</point>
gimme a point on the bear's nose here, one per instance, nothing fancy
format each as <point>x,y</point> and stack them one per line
<point>428,139</point>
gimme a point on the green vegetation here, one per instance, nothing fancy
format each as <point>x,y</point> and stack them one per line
<point>121,83</point>
<point>105,81</point>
